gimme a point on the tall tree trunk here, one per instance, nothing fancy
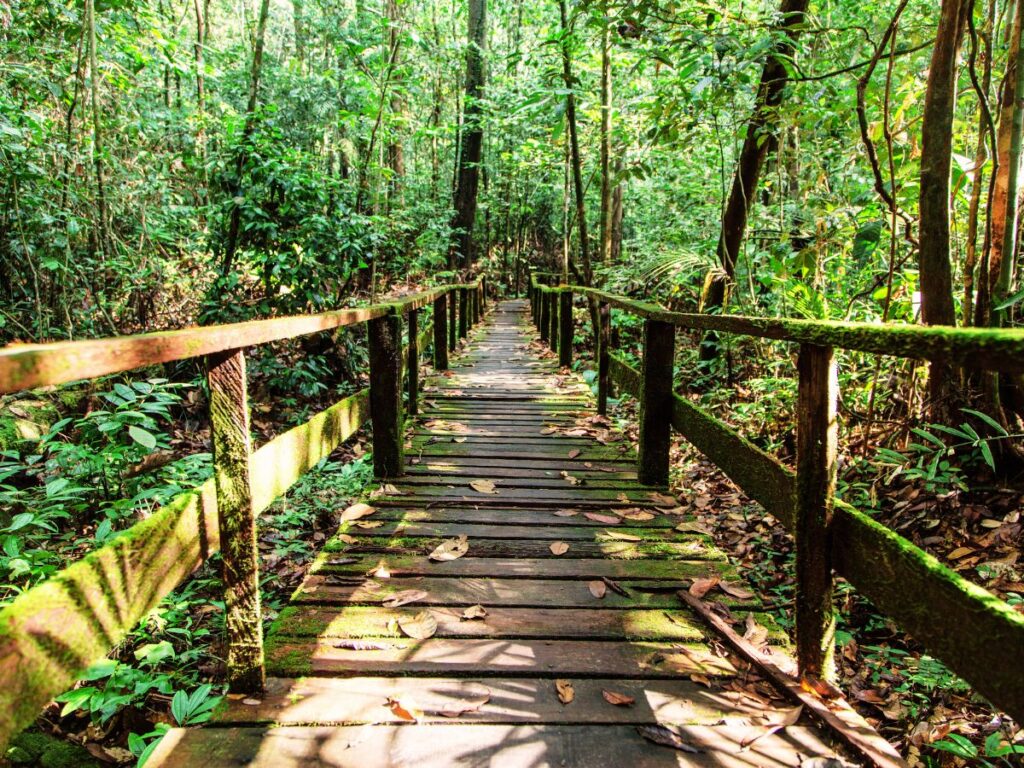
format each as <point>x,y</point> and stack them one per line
<point>606,136</point>
<point>574,145</point>
<point>201,9</point>
<point>936,148</point>
<point>760,140</point>
<point>299,27</point>
<point>102,234</point>
<point>395,157</point>
<point>462,254</point>
<point>1002,279</point>
<point>250,122</point>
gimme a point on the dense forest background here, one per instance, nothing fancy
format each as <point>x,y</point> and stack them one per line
<point>176,162</point>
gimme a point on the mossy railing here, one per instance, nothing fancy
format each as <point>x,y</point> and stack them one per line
<point>51,633</point>
<point>976,634</point>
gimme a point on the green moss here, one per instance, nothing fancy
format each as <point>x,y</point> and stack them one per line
<point>286,661</point>
<point>34,748</point>
<point>66,755</point>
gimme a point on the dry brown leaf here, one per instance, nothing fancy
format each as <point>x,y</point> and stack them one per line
<point>474,612</point>
<point>605,519</point>
<point>614,586</point>
<point>666,737</point>
<point>574,453</point>
<point>404,710</point>
<point>597,588</point>
<point>483,486</point>
<point>701,587</point>
<point>662,498</point>
<point>740,593</point>
<point>451,549</point>
<point>693,527</point>
<point>571,479</point>
<point>459,439</point>
<point>404,597</point>
<point>622,536</point>
<point>357,511</point>
<point>566,512</point>
<point>785,720</point>
<point>623,498</point>
<point>637,514</point>
<point>549,430</point>
<point>476,696</point>
<point>346,538</point>
<point>252,702</point>
<point>559,548</point>
<point>701,679</point>
<point>754,632</point>
<point>419,627</point>
<point>565,691</point>
<point>368,524</point>
<point>618,699</point>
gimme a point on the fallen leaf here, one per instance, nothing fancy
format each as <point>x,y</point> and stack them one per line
<point>474,612</point>
<point>574,453</point>
<point>959,552</point>
<point>451,549</point>
<point>572,480</point>
<point>622,536</point>
<point>482,486</point>
<point>252,702</point>
<point>754,632</point>
<point>459,439</point>
<point>614,586</point>
<point>419,627</point>
<point>357,511</point>
<point>403,710</point>
<point>364,645</point>
<point>605,519</point>
<point>565,691</point>
<point>740,593</point>
<point>692,527</point>
<point>597,588</point>
<point>566,512</point>
<point>559,548</point>
<point>666,737</point>
<point>618,699</point>
<point>701,587</point>
<point>783,721</point>
<point>549,430</point>
<point>477,695</point>
<point>381,572</point>
<point>701,679</point>
<point>346,538</point>
<point>368,524</point>
<point>662,498</point>
<point>637,514</point>
<point>404,597</point>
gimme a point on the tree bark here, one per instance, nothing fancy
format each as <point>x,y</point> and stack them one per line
<point>102,234</point>
<point>462,254</point>
<point>201,10</point>
<point>1002,278</point>
<point>606,136</point>
<point>395,156</point>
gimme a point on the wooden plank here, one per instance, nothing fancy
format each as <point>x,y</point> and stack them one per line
<point>385,338</point>
<point>334,701</point>
<point>442,746</point>
<point>495,658</point>
<point>817,444</point>
<point>547,533</point>
<point>232,451</point>
<point>565,328</point>
<point>507,516</point>
<point>440,326</point>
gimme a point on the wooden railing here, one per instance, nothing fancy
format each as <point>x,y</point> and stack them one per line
<point>976,634</point>
<point>50,634</point>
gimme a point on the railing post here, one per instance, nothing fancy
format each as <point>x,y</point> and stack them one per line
<point>544,310</point>
<point>656,402</point>
<point>385,335</point>
<point>565,327</point>
<point>441,333</point>
<point>453,326</point>
<point>604,316</point>
<point>463,312</point>
<point>232,449</point>
<point>413,364</point>
<point>553,330</point>
<point>816,446</point>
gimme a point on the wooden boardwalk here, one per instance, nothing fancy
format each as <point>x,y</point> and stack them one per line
<point>575,566</point>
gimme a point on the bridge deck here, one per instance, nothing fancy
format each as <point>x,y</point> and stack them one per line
<point>348,687</point>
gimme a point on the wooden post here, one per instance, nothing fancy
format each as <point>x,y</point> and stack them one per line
<point>604,314</point>
<point>453,326</point>
<point>463,312</point>
<point>441,333</point>
<point>232,449</point>
<point>565,327</point>
<point>656,402</point>
<point>413,364</point>
<point>385,335</point>
<point>816,446</point>
<point>544,308</point>
<point>553,317</point>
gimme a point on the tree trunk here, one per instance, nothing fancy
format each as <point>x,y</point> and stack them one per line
<point>606,136</point>
<point>102,234</point>
<point>760,140</point>
<point>234,224</point>
<point>462,254</point>
<point>200,65</point>
<point>1002,278</point>
<point>395,157</point>
<point>299,27</point>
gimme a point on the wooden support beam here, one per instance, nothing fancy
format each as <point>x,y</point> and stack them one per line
<point>656,402</point>
<point>817,435</point>
<point>553,320</point>
<point>413,364</point>
<point>565,328</point>
<point>453,321</point>
<point>232,454</point>
<point>463,312</point>
<point>544,309</point>
<point>385,335</point>
<point>603,343</point>
<point>441,333</point>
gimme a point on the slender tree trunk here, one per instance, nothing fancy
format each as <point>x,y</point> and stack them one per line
<point>606,136</point>
<point>235,221</point>
<point>299,28</point>
<point>200,65</point>
<point>760,140</point>
<point>468,179</point>
<point>102,234</point>
<point>395,156</point>
<point>1003,278</point>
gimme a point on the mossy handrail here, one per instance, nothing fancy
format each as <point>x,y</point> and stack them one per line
<point>976,634</point>
<point>51,633</point>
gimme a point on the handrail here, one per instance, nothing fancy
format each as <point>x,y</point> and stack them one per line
<point>984,348</point>
<point>978,635</point>
<point>51,633</point>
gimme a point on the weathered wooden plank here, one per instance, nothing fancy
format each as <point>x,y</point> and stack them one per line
<point>485,531</point>
<point>385,337</point>
<point>442,746</point>
<point>229,422</point>
<point>495,658</point>
<point>817,444</point>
